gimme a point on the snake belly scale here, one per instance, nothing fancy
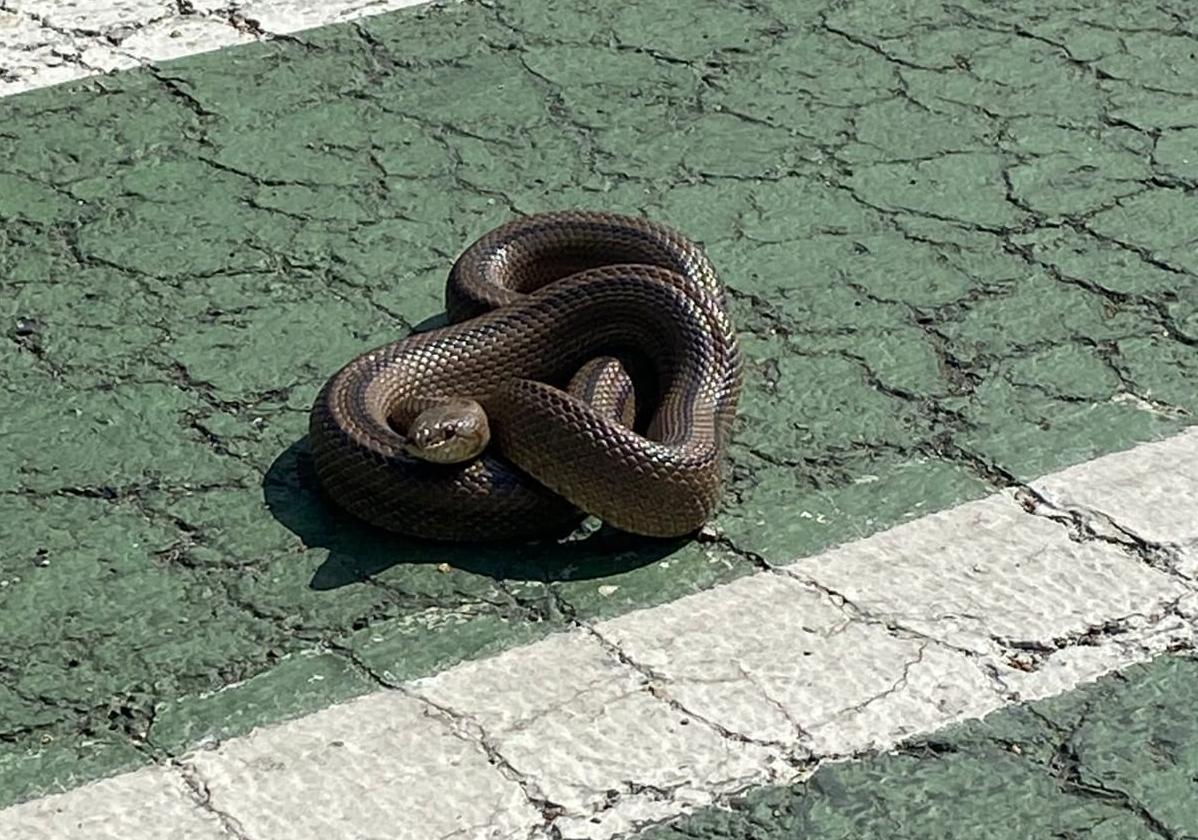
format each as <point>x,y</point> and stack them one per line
<point>531,304</point>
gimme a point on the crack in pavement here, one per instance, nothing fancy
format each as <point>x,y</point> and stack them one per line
<point>896,325</point>
<point>202,795</point>
<point>1083,524</point>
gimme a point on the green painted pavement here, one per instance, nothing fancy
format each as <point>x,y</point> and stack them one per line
<point>959,244</point>
<point>1116,760</point>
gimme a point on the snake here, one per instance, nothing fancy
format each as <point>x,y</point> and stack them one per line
<point>588,366</point>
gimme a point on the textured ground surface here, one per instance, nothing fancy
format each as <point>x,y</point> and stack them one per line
<point>634,721</point>
<point>961,245</point>
<point>1115,760</point>
<point>47,42</point>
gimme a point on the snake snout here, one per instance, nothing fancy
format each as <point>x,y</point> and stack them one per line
<point>449,433</point>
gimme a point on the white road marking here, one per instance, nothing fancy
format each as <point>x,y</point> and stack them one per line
<point>594,732</point>
<point>47,42</point>
<point>649,715</point>
<point>1140,493</point>
<point>164,799</point>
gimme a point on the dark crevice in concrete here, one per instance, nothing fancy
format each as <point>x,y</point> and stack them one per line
<point>1084,524</point>
<point>468,729</point>
<point>1032,653</point>
<point>177,88</point>
<point>202,796</point>
<point>1066,766</point>
<point>657,686</point>
<point>839,73</point>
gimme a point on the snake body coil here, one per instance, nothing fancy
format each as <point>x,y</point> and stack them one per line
<point>532,304</point>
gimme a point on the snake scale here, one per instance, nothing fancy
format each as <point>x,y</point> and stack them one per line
<point>595,352</point>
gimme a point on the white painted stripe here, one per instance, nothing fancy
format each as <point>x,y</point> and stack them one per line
<point>599,730</point>
<point>47,42</point>
<point>1139,494</point>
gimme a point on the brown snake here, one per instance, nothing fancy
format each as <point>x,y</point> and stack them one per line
<point>600,351</point>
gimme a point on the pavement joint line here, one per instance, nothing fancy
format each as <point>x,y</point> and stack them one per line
<point>1084,523</point>
<point>616,725</point>
<point>203,798</point>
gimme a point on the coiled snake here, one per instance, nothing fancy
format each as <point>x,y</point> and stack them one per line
<point>596,351</point>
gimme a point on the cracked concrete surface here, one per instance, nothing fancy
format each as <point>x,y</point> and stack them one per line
<point>1115,759</point>
<point>443,786</point>
<point>629,722</point>
<point>598,744</point>
<point>105,813</point>
<point>1146,516</point>
<point>48,42</point>
<point>960,249</point>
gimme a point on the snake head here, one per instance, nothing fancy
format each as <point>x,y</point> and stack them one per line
<point>449,433</point>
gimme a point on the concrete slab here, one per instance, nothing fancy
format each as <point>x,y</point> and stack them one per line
<point>127,807</point>
<point>969,284</point>
<point>622,723</point>
<point>1113,760</point>
<point>385,765</point>
<point>1145,495</point>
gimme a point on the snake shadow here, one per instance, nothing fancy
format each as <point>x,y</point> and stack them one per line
<point>358,551</point>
